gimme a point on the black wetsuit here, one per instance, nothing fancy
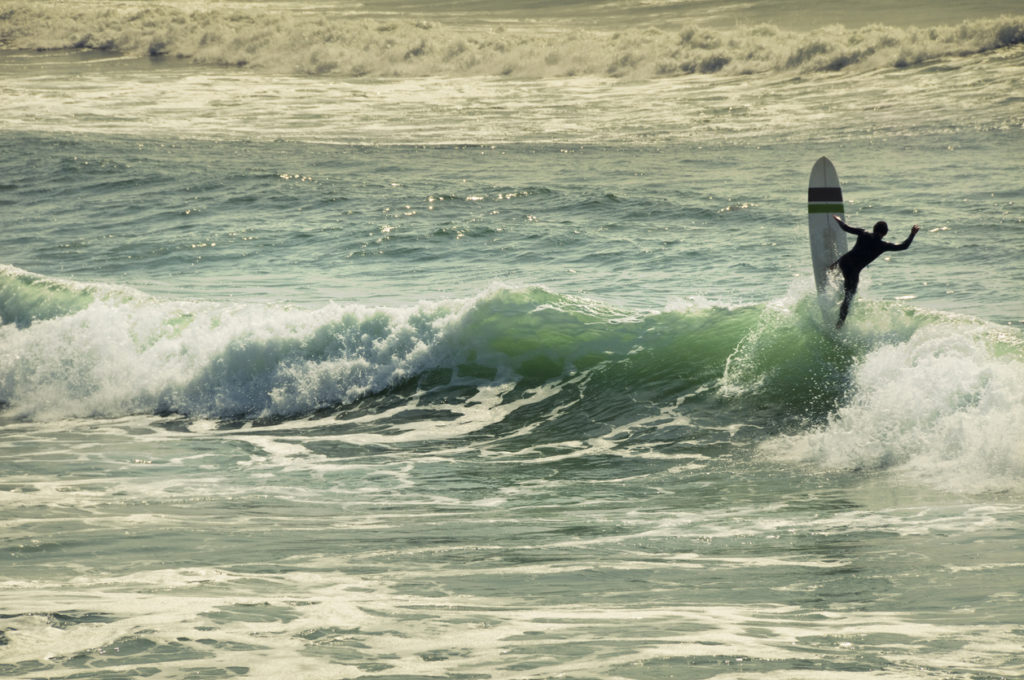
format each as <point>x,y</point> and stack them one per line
<point>867,248</point>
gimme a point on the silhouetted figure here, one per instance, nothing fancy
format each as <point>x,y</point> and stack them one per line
<point>868,247</point>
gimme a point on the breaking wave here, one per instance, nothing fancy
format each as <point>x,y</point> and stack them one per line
<point>349,46</point>
<point>934,395</point>
<point>85,351</point>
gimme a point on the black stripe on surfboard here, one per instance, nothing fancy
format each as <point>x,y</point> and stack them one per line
<point>825,194</point>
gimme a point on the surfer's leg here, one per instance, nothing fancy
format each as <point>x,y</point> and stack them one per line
<point>850,284</point>
<point>844,308</point>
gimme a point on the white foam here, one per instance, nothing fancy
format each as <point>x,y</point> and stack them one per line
<point>118,357</point>
<point>352,82</point>
<point>945,407</point>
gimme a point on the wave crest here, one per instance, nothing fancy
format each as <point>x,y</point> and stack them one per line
<point>112,353</point>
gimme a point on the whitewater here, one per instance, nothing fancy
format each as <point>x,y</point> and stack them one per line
<point>452,340</point>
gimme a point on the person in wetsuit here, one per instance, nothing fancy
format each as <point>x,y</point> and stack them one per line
<point>868,247</point>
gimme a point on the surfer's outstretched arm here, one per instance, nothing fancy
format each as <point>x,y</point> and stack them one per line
<point>908,241</point>
<point>846,227</point>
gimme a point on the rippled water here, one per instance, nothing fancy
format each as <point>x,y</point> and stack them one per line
<point>443,371</point>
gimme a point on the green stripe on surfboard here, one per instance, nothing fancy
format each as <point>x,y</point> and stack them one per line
<point>824,207</point>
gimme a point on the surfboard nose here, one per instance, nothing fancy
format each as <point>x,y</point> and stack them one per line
<point>824,195</point>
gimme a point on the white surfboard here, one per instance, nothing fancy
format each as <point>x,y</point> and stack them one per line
<point>828,241</point>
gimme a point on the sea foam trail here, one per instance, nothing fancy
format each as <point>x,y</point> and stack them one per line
<point>360,46</point>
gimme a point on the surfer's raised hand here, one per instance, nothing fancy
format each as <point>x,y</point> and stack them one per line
<point>914,229</point>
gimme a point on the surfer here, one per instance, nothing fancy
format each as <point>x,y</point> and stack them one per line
<point>869,246</point>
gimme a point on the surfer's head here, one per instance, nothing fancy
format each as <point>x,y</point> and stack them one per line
<point>880,229</point>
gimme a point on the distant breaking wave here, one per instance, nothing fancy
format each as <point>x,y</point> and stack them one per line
<point>311,43</point>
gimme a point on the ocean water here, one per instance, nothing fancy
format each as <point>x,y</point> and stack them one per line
<point>479,340</point>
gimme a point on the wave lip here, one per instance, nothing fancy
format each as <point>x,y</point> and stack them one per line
<point>311,43</point>
<point>26,298</point>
